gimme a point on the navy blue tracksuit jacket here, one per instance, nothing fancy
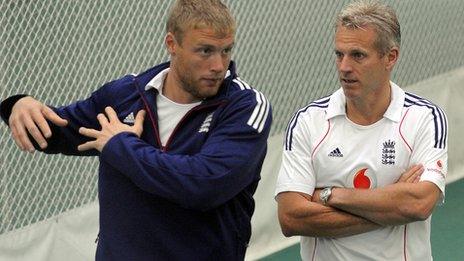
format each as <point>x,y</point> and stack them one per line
<point>189,200</point>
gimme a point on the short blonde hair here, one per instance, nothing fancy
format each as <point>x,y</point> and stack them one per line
<point>381,17</point>
<point>194,14</point>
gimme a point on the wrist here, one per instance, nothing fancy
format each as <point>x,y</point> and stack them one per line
<point>325,195</point>
<point>6,106</point>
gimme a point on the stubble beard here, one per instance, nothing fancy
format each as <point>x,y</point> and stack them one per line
<point>193,88</point>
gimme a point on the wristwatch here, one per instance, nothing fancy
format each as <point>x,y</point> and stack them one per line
<point>325,194</point>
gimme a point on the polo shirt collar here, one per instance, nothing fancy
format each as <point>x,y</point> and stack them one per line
<point>337,104</point>
<point>158,80</point>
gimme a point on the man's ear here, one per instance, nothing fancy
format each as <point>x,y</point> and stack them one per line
<point>171,43</point>
<point>392,57</point>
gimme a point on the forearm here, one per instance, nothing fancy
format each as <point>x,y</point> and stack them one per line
<point>35,126</point>
<point>306,218</point>
<point>395,204</point>
<point>199,181</point>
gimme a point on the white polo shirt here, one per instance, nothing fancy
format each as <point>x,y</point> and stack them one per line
<point>324,148</point>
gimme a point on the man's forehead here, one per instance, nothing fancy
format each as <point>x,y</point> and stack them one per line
<point>354,38</point>
<point>208,36</point>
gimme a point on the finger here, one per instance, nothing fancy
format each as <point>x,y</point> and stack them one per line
<point>40,121</point>
<point>53,117</point>
<point>35,132</point>
<point>420,172</point>
<point>111,113</point>
<point>421,169</point>
<point>407,175</point>
<point>89,132</point>
<point>404,177</point>
<point>102,119</point>
<point>138,125</point>
<point>19,134</point>
<point>24,138</point>
<point>14,134</point>
<point>413,177</point>
<point>416,173</point>
<point>87,146</point>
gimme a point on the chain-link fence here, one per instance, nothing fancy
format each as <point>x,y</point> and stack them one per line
<point>60,51</point>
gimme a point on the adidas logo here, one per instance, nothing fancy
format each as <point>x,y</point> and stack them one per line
<point>336,153</point>
<point>206,123</point>
<point>130,119</point>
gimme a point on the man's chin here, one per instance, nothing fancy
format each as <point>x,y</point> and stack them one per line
<point>209,93</point>
<point>206,92</point>
<point>350,93</point>
<point>209,90</point>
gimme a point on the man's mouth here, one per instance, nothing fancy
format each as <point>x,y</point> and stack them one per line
<point>212,81</point>
<point>348,81</point>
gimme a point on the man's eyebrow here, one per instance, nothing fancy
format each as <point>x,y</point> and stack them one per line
<point>205,45</point>
<point>357,50</point>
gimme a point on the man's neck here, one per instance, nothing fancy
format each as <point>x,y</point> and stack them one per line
<point>172,90</point>
<point>370,109</point>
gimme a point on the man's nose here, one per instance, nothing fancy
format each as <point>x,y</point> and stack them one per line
<point>218,63</point>
<point>345,65</point>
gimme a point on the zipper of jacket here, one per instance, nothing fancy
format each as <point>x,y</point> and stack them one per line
<point>155,122</point>
<point>153,119</point>
<point>196,109</point>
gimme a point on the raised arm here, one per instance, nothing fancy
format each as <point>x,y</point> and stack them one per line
<point>35,125</point>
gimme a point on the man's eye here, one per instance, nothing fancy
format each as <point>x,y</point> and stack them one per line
<point>338,55</point>
<point>205,51</point>
<point>358,55</point>
<point>227,51</point>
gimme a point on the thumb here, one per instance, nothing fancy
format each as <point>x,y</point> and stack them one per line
<point>138,125</point>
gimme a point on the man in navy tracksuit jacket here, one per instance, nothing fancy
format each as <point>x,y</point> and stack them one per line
<point>188,199</point>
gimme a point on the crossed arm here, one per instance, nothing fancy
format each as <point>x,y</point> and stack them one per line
<point>354,211</point>
<point>299,215</point>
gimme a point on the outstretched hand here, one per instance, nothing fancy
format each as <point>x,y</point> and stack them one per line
<point>30,116</point>
<point>111,126</point>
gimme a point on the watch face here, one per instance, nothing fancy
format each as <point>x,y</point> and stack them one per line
<point>325,194</point>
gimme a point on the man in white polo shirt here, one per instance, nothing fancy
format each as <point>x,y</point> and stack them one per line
<point>364,167</point>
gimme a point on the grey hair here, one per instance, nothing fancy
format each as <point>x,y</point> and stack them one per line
<point>381,17</point>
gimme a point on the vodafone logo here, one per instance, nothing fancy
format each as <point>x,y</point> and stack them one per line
<point>361,181</point>
<point>361,177</point>
<point>439,164</point>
